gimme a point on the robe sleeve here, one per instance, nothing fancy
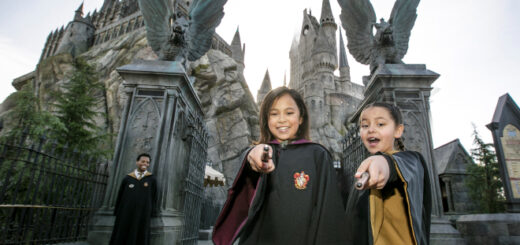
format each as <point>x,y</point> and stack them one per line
<point>119,195</point>
<point>391,166</point>
<point>412,167</point>
<point>328,217</point>
<point>235,211</point>
<point>155,210</point>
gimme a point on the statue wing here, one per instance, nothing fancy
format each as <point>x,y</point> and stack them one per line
<point>205,16</point>
<point>402,20</point>
<point>357,18</point>
<point>156,15</point>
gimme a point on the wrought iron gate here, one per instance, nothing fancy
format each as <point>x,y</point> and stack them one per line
<point>194,182</point>
<point>354,152</point>
<point>45,198</point>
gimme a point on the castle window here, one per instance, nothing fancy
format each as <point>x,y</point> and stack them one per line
<point>313,103</point>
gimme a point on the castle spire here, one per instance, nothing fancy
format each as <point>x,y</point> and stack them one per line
<point>266,84</point>
<point>264,89</point>
<point>79,12</point>
<point>236,38</point>
<point>237,50</point>
<point>343,62</point>
<point>326,13</point>
<point>344,68</point>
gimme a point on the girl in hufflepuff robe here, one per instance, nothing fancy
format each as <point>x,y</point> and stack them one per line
<point>292,196</point>
<point>394,206</point>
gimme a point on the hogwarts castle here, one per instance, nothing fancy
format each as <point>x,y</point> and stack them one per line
<point>331,99</point>
<point>115,36</point>
<point>314,61</point>
<point>115,18</point>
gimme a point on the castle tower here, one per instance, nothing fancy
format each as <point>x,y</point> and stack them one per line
<point>264,89</point>
<point>78,35</point>
<point>79,13</point>
<point>344,68</point>
<point>324,62</point>
<point>295,63</point>
<point>325,52</point>
<point>238,51</point>
<point>309,32</point>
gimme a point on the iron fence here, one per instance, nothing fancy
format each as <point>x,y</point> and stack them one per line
<point>194,182</point>
<point>354,152</point>
<point>47,197</point>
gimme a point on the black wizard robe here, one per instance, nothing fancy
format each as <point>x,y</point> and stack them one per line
<point>134,208</point>
<point>397,214</point>
<point>298,203</point>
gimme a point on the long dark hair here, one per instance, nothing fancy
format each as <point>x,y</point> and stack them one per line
<point>303,129</point>
<point>395,114</point>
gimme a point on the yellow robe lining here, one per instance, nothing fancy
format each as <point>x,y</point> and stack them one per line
<point>390,218</point>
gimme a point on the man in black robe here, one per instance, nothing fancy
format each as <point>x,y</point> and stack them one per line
<point>135,205</point>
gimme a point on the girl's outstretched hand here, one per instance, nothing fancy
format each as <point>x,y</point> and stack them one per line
<point>255,159</point>
<point>377,167</point>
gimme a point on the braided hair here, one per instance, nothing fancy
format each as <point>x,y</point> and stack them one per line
<point>396,115</point>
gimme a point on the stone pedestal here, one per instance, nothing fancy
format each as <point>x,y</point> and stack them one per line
<point>162,117</point>
<point>408,86</point>
<point>488,229</point>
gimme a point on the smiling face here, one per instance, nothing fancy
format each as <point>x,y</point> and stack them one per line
<point>143,163</point>
<point>284,118</point>
<point>379,130</point>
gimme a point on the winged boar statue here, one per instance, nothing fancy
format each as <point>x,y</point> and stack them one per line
<point>176,35</point>
<point>390,42</point>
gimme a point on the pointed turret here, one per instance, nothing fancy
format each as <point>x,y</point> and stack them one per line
<point>294,58</point>
<point>77,37</point>
<point>344,68</point>
<point>79,13</point>
<point>236,48</point>
<point>326,13</point>
<point>264,89</point>
<point>238,51</point>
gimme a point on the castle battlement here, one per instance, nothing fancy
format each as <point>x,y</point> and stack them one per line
<point>115,19</point>
<point>121,27</point>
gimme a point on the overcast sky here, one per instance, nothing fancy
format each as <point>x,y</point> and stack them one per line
<point>473,45</point>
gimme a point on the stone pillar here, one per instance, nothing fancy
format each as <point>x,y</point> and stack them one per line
<point>157,118</point>
<point>449,197</point>
<point>408,86</point>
